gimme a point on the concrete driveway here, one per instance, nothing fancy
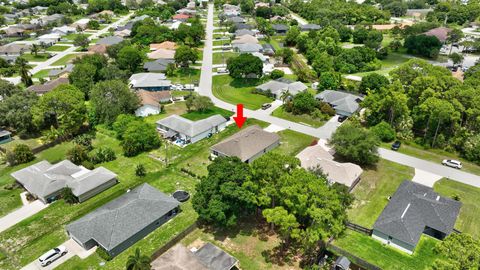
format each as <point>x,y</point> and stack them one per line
<point>20,214</point>
<point>73,248</point>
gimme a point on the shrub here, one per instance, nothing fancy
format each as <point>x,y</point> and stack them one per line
<point>276,73</point>
<point>102,154</point>
<point>88,165</point>
<point>84,140</point>
<point>102,253</point>
<point>384,132</point>
<point>21,154</point>
<point>471,148</point>
<point>140,170</point>
<point>139,137</point>
<point>68,196</point>
<point>77,154</point>
<point>327,109</point>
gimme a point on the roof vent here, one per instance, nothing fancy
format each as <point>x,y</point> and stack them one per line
<point>438,198</point>
<point>405,211</point>
<point>128,190</point>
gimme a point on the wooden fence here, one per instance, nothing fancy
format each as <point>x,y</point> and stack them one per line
<point>354,259</point>
<point>173,242</point>
<point>358,228</point>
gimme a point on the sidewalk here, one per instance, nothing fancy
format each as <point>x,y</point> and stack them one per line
<point>21,214</point>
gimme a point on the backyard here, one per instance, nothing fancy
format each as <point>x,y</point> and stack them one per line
<point>372,192</point>
<point>185,76</point>
<point>236,91</point>
<point>386,257</point>
<point>304,119</point>
<point>196,115</point>
<point>467,221</point>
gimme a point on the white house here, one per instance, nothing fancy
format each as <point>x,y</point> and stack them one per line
<point>63,30</point>
<point>150,102</point>
<point>48,39</point>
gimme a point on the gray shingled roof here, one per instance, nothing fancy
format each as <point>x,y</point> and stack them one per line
<point>118,220</point>
<point>279,27</point>
<point>247,47</point>
<point>43,178</point>
<point>178,258</point>
<point>340,101</point>
<point>279,86</point>
<point>111,40</point>
<point>189,127</point>
<point>158,65</point>
<point>308,27</point>
<point>140,80</point>
<point>412,208</point>
<point>246,143</point>
<point>242,32</point>
<point>215,258</point>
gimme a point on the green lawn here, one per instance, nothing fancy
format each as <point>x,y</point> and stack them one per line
<point>392,61</point>
<point>177,108</point>
<point>435,155</point>
<point>73,36</point>
<point>385,257</point>
<point>372,192</point>
<point>220,42</point>
<point>292,142</point>
<point>467,221</point>
<point>66,59</point>
<point>221,58</point>
<point>194,116</point>
<point>301,119</point>
<point>41,74</point>
<point>185,76</point>
<point>57,48</point>
<point>236,91</point>
<point>40,57</point>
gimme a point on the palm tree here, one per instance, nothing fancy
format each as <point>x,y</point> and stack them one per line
<point>138,261</point>
<point>34,50</point>
<point>285,95</point>
<point>22,67</point>
<point>68,196</point>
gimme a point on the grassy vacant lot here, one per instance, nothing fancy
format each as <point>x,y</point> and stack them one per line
<point>469,196</point>
<point>392,61</point>
<point>238,91</point>
<point>66,59</point>
<point>372,191</point>
<point>292,142</point>
<point>57,48</point>
<point>41,57</point>
<point>435,155</point>
<point>185,76</point>
<point>41,74</point>
<point>194,116</point>
<point>386,257</point>
<point>222,57</point>
<point>301,119</point>
<point>73,36</point>
<point>250,245</point>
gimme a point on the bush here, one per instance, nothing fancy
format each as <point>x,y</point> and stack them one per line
<point>471,148</point>
<point>68,196</point>
<point>384,132</point>
<point>102,154</point>
<point>276,73</point>
<point>84,140</point>
<point>140,170</point>
<point>77,154</point>
<point>21,154</point>
<point>139,137</point>
<point>88,165</point>
<point>102,253</point>
<point>327,109</point>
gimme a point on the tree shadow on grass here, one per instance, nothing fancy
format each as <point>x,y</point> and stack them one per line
<point>241,83</point>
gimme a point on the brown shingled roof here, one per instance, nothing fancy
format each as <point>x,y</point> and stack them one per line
<point>41,89</point>
<point>153,98</point>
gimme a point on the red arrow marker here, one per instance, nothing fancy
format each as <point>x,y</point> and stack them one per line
<point>239,119</point>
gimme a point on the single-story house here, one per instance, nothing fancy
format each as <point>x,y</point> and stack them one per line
<point>41,89</point>
<point>315,156</point>
<point>64,30</point>
<point>280,29</point>
<point>181,17</point>
<point>268,49</point>
<point>344,103</point>
<point>159,65</point>
<point>122,222</point>
<point>167,45</point>
<point>187,131</point>
<point>309,27</point>
<point>11,51</point>
<point>48,39</point>
<point>440,32</point>
<point>150,102</point>
<point>187,11</point>
<point>50,19</point>
<point>230,7</point>
<point>14,31</point>
<point>5,136</point>
<point>240,26</point>
<point>150,81</point>
<point>247,47</point>
<point>98,48</point>
<point>162,54</point>
<point>236,19</point>
<point>99,15</point>
<point>242,32</point>
<point>208,257</point>
<point>109,41</point>
<point>247,144</point>
<point>245,39</point>
<point>46,181</point>
<point>414,210</point>
<point>279,86</point>
<point>55,73</point>
<point>82,23</point>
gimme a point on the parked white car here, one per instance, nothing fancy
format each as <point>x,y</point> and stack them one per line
<point>178,87</point>
<point>51,255</point>
<point>222,70</point>
<point>452,163</point>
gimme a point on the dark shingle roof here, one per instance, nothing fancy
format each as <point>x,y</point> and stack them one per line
<point>308,27</point>
<point>118,220</point>
<point>414,207</point>
<point>279,27</point>
<point>215,258</point>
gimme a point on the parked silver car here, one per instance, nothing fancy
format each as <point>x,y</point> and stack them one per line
<point>51,255</point>
<point>452,163</point>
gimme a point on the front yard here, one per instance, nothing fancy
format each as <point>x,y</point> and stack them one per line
<point>185,76</point>
<point>66,59</point>
<point>375,186</point>
<point>237,91</point>
<point>386,257</point>
<point>40,57</point>
<point>222,57</point>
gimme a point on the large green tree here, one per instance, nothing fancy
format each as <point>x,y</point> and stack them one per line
<point>23,67</point>
<point>16,110</point>
<point>129,58</point>
<point>185,55</point>
<point>458,252</point>
<point>112,98</point>
<point>139,136</point>
<point>245,65</point>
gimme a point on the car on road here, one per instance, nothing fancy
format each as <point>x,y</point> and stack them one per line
<point>452,163</point>
<point>266,106</point>
<point>396,145</point>
<point>52,255</point>
<point>342,118</point>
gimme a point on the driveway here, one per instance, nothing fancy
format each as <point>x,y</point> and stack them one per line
<point>73,248</point>
<point>21,214</point>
